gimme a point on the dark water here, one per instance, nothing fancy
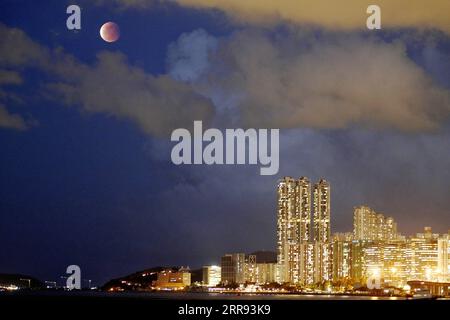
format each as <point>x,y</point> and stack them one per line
<point>221,296</point>
<point>199,296</point>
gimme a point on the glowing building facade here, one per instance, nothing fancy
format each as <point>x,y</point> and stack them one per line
<point>303,258</point>
<point>443,266</point>
<point>423,255</point>
<point>342,256</point>
<point>372,226</point>
<point>173,280</point>
<point>373,249</point>
<point>322,232</point>
<point>211,276</point>
<point>293,227</point>
<point>322,211</point>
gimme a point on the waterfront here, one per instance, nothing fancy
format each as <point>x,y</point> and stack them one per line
<point>195,296</point>
<point>250,296</point>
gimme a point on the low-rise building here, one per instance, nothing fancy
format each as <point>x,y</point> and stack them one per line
<point>173,280</point>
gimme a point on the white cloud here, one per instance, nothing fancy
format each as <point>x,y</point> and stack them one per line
<point>297,80</point>
<point>188,57</point>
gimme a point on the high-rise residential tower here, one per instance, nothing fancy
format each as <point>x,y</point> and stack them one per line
<point>304,258</point>
<point>322,232</point>
<point>372,226</point>
<point>304,194</point>
<point>293,226</point>
<point>443,264</point>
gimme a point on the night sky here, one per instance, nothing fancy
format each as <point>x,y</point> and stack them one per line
<point>85,170</point>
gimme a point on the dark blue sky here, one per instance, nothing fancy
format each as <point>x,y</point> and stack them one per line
<point>85,181</point>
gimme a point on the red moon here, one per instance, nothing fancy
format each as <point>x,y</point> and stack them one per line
<point>110,32</point>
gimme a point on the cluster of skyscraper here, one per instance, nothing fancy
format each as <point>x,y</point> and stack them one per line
<point>304,251</point>
<point>375,249</point>
<point>307,254</point>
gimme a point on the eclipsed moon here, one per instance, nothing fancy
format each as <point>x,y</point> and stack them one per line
<point>110,32</point>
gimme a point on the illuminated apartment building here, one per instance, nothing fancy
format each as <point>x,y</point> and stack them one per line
<point>307,261</point>
<point>363,223</point>
<point>323,262</point>
<point>266,273</point>
<point>211,275</point>
<point>423,255</point>
<point>303,259</point>
<point>371,226</point>
<point>377,249</point>
<point>342,256</point>
<point>357,269</point>
<point>233,268</point>
<point>322,212</point>
<point>293,226</point>
<point>387,260</point>
<point>173,280</point>
<point>304,203</point>
<point>322,232</point>
<point>443,266</point>
<point>395,271</point>
<point>390,229</point>
<point>250,269</point>
<point>373,260</point>
<point>286,225</point>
